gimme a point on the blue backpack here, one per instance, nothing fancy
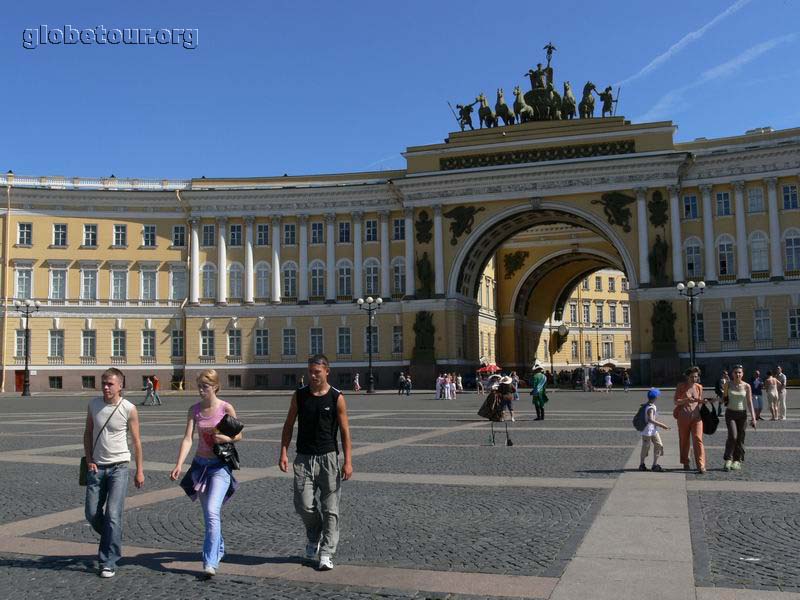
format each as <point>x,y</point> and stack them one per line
<point>640,418</point>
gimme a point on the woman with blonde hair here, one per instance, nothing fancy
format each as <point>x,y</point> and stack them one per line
<point>210,477</point>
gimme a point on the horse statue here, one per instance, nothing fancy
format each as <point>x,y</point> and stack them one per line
<point>586,106</point>
<point>485,113</point>
<point>523,109</point>
<point>502,110</point>
<point>568,103</point>
<point>553,101</point>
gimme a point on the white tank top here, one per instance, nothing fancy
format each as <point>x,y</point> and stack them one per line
<point>112,443</point>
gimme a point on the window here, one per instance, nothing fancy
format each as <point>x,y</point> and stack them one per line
<point>262,381</point>
<point>573,312</point>
<point>759,252</point>
<point>89,284</point>
<point>289,234</point>
<point>343,345</point>
<point>149,236</point>
<point>120,236</point>
<point>699,328</point>
<point>399,277</point>
<point>792,250</point>
<point>723,204</point>
<point>179,236</point>
<point>58,284</point>
<point>627,344</point>
<point>89,343</point>
<point>587,312</point>
<point>371,339</point>
<point>317,233</point>
<point>262,234</point>
<point>794,324</point>
<point>234,342</point>
<point>119,285</point>
<point>397,339</point>
<point>263,280</point>
<point>149,280</point>
<point>235,281</point>
<point>148,343</point>
<point>587,350</point>
<point>289,380</point>
<point>235,381</point>
<point>624,285</point>
<point>612,313</point>
<point>289,281</point>
<point>399,228</point>
<point>574,353</point>
<point>608,349</point>
<point>289,342</point>
<point>56,348</point>
<point>19,345</point>
<point>59,234</point>
<point>626,314</point>
<point>261,337</point>
<point>729,327</point>
<point>370,230</point>
<point>755,200</point>
<point>317,280</point>
<point>598,312</point>
<point>235,234</point>
<point>56,382</point>
<point>209,235</point>
<point>790,197</point>
<point>118,343</point>
<point>178,287</point>
<point>725,257</point>
<point>207,348</point>
<point>90,236</point>
<point>315,345</point>
<point>690,207</point>
<point>24,283</point>
<point>694,260</point>
<point>598,284</point>
<point>344,232</point>
<point>612,284</point>
<point>585,284</point>
<point>482,350</point>
<point>88,382</point>
<point>209,281</point>
<point>763,323</point>
<point>25,234</point>
<point>344,284</point>
<point>176,338</point>
<point>372,271</point>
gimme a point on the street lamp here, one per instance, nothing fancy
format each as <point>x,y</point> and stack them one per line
<point>370,305</point>
<point>691,290</point>
<point>26,309</point>
<point>597,326</point>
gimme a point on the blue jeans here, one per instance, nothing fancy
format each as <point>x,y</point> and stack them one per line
<point>218,480</point>
<point>105,502</point>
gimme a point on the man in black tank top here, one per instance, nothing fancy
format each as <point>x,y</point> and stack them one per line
<point>321,413</point>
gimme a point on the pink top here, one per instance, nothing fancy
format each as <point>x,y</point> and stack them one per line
<point>205,428</point>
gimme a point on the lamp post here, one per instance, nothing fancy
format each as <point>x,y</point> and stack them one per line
<point>370,305</point>
<point>691,290</point>
<point>26,309</point>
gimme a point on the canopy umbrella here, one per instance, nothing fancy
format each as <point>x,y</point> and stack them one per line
<point>489,369</point>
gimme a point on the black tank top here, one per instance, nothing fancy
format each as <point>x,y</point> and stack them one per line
<point>317,422</point>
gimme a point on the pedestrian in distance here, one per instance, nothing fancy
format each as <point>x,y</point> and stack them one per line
<point>209,478</point>
<point>757,385</point>
<point>110,418</point>
<point>650,433</point>
<point>356,384</point>
<point>626,381</point>
<point>608,383</point>
<point>401,384</point>
<point>408,384</point>
<point>771,385</point>
<point>719,390</point>
<point>781,377</point>
<point>688,400</point>
<point>321,414</point>
<point>148,391</point>
<point>738,403</point>
<point>156,388</point>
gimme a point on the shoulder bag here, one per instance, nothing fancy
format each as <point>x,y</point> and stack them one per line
<point>84,467</point>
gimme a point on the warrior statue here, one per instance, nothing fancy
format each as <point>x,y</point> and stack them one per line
<point>608,101</point>
<point>465,115</point>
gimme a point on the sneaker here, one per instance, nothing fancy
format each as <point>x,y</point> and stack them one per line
<point>325,562</point>
<point>701,471</point>
<point>643,467</point>
<point>686,467</point>
<point>509,442</point>
<point>311,551</point>
<point>209,571</point>
<point>657,469</point>
<point>512,419</point>
<point>727,466</point>
<point>107,572</point>
<point>736,465</point>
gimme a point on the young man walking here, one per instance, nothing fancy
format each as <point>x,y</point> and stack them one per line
<point>109,419</point>
<point>320,412</point>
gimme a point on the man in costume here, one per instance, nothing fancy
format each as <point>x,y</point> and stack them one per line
<point>538,390</point>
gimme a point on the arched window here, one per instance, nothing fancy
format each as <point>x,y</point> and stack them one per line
<point>372,277</point>
<point>289,280</point>
<point>725,256</point>
<point>209,281</point>
<point>344,279</point>
<point>694,258</point>
<point>263,280</point>
<point>759,252</point>
<point>398,276</point>
<point>791,245</point>
<point>235,280</point>
<point>317,270</point>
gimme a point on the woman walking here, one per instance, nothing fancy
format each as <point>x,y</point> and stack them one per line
<point>209,477</point>
<point>773,396</point>
<point>688,399</point>
<point>738,401</point>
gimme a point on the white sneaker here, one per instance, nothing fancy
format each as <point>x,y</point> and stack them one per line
<point>325,562</point>
<point>512,419</point>
<point>209,571</point>
<point>311,551</point>
<point>107,572</point>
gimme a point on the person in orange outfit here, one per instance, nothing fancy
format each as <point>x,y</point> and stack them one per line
<point>688,399</point>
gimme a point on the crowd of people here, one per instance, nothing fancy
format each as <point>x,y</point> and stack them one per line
<point>448,385</point>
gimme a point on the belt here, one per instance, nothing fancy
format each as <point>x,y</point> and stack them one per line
<point>110,465</point>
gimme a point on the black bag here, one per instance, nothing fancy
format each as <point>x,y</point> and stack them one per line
<point>228,453</point>
<point>230,426</point>
<point>640,418</point>
<point>709,418</point>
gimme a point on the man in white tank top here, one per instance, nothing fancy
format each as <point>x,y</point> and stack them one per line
<point>105,442</point>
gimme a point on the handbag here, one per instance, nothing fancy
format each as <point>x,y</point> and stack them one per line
<point>230,426</point>
<point>83,469</point>
<point>710,419</point>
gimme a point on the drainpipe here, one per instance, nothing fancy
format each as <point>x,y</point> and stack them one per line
<point>187,210</point>
<point>7,265</point>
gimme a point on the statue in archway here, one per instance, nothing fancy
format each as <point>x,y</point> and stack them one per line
<point>663,323</point>
<point>658,209</point>
<point>423,227</point>
<point>658,260</point>
<point>513,262</point>
<point>615,207</point>
<point>424,331</point>
<point>425,274</point>
<point>463,220</point>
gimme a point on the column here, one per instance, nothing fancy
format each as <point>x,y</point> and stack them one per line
<point>411,286</point>
<point>302,273</point>
<point>643,226</point>
<point>358,258</point>
<point>249,275</point>
<point>386,288</point>
<point>194,259</point>
<point>438,251</point>
<point>276,259</point>
<point>330,259</point>
<point>742,258</point>
<point>675,228</point>
<point>709,250</point>
<point>775,258</point>
<point>222,261</point>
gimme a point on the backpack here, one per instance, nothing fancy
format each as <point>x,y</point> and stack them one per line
<point>640,418</point>
<point>710,419</point>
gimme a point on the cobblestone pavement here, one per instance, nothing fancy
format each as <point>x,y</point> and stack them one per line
<point>435,498</point>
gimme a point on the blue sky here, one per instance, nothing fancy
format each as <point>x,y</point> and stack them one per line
<point>279,87</point>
